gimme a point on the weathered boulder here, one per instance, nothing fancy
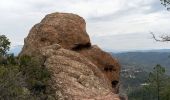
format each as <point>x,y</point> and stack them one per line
<point>79,71</point>
<point>67,30</point>
<point>75,77</point>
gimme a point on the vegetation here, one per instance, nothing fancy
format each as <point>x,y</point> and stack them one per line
<point>155,80</point>
<point>156,86</point>
<point>138,74</point>
<point>11,83</point>
<point>4,45</point>
<point>37,77</point>
<point>144,60</point>
<point>23,78</point>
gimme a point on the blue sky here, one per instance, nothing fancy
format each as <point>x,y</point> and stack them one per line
<point>111,24</point>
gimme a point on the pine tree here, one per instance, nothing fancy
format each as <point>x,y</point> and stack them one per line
<point>155,80</point>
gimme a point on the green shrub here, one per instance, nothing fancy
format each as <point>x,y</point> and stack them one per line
<point>11,84</point>
<point>23,79</point>
<point>37,76</point>
<point>28,80</point>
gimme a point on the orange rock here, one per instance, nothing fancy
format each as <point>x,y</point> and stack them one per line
<point>67,30</point>
<point>104,61</point>
<point>79,71</point>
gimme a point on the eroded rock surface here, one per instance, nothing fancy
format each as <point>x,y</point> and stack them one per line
<point>68,30</point>
<point>79,71</point>
<point>105,62</point>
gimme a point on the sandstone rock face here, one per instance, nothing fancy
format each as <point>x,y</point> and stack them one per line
<point>79,71</point>
<point>68,30</point>
<point>105,62</point>
<point>75,76</point>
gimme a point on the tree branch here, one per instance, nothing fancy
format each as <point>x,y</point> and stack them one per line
<point>162,38</point>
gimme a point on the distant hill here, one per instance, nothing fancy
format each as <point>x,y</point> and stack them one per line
<point>155,50</point>
<point>16,49</point>
<point>136,66</point>
<point>128,51</point>
<point>145,59</point>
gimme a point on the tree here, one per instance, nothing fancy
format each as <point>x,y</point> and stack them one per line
<point>163,37</point>
<point>4,45</point>
<point>156,78</point>
<point>166,91</point>
<point>166,3</point>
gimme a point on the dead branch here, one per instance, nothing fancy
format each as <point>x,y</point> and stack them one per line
<point>162,38</point>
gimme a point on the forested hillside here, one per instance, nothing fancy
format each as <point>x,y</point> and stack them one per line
<point>136,69</point>
<point>145,60</point>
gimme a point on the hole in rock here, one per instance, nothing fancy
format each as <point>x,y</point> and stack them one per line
<point>114,83</point>
<point>109,68</point>
<point>43,39</point>
<point>81,46</point>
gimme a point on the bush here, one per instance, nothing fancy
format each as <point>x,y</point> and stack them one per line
<point>11,84</point>
<point>23,79</point>
<point>37,77</point>
<point>28,80</point>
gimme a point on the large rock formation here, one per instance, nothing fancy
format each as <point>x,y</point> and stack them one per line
<point>79,71</point>
<point>67,30</point>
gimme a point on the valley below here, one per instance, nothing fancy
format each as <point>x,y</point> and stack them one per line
<point>136,66</point>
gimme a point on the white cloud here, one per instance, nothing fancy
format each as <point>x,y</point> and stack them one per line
<point>104,18</point>
<point>129,42</point>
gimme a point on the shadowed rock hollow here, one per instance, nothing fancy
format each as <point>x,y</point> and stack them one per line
<point>80,71</point>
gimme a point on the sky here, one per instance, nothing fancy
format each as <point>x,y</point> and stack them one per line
<point>111,24</point>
